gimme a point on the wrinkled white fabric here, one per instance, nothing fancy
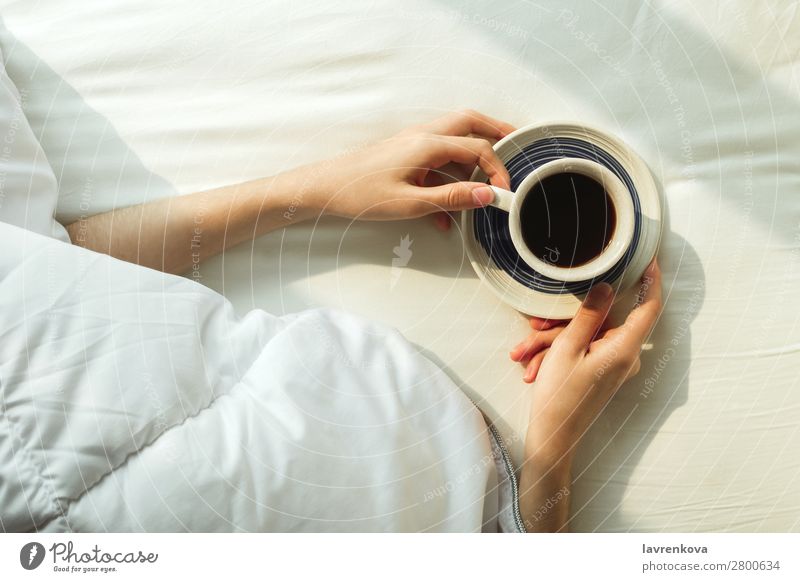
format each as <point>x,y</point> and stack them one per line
<point>137,401</point>
<point>28,189</point>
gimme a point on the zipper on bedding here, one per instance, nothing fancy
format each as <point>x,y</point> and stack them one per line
<point>509,465</point>
<point>512,477</point>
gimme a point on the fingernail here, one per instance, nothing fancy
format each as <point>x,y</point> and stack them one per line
<point>598,295</point>
<point>483,195</point>
<point>652,266</point>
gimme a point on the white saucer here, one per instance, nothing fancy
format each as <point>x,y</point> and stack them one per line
<point>556,139</point>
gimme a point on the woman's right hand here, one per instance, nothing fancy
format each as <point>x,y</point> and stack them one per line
<point>582,370</point>
<point>585,366</point>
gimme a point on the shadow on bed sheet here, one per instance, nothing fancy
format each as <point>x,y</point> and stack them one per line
<point>98,171</point>
<point>611,452</point>
<point>648,74</point>
<point>95,168</point>
<point>641,407</point>
<point>682,80</point>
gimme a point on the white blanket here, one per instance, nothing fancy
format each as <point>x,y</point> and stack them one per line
<point>135,99</point>
<point>136,401</point>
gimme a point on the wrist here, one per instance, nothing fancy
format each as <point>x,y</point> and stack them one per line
<point>549,449</point>
<point>297,195</point>
<point>553,467</point>
<point>544,488</point>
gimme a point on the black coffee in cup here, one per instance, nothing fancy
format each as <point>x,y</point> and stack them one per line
<point>567,219</point>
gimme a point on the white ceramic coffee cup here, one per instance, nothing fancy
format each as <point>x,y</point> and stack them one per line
<point>617,193</point>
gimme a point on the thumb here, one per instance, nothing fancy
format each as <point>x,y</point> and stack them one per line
<point>460,195</point>
<point>590,317</point>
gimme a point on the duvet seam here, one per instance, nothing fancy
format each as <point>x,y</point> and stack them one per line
<point>44,478</point>
<point>70,501</point>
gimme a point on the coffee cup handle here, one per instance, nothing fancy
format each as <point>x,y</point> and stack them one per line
<point>503,199</point>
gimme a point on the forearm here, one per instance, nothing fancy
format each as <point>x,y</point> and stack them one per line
<point>175,233</point>
<point>544,485</point>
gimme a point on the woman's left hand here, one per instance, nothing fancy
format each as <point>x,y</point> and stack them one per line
<point>531,351</point>
<point>406,175</point>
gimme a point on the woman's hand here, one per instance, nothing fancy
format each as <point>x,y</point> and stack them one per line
<point>531,351</point>
<point>401,177</point>
<point>406,175</point>
<point>584,367</point>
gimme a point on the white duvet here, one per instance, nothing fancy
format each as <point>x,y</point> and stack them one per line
<point>136,99</point>
<point>136,401</point>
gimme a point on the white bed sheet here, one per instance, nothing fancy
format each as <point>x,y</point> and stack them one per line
<point>134,100</point>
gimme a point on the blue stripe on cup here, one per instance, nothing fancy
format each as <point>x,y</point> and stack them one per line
<point>491,224</point>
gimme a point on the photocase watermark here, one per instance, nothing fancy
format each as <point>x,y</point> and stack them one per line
<point>670,351</point>
<point>687,153</point>
<point>197,237</point>
<point>735,254</point>
<point>570,21</point>
<point>66,559</point>
<point>85,206</point>
<point>547,506</point>
<point>474,470</point>
<point>558,149</point>
<point>161,421</point>
<point>551,256</point>
<point>451,484</point>
<point>611,357</point>
<point>316,174</point>
<point>31,555</point>
<point>491,23</point>
<point>765,330</point>
<point>495,25</point>
<point>735,14</point>
<point>328,343</point>
<point>402,256</point>
<point>7,146</point>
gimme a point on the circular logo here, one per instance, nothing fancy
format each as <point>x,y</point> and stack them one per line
<point>31,555</point>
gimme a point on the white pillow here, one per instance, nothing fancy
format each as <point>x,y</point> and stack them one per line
<point>28,187</point>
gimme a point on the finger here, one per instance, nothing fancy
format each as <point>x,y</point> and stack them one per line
<point>455,196</point>
<point>467,150</point>
<point>534,343</point>
<point>434,178</point>
<point>634,369</point>
<point>541,324</point>
<point>461,172</point>
<point>583,327</point>
<point>641,320</point>
<point>452,172</point>
<point>469,121</point>
<point>606,325</point>
<point>442,221</point>
<point>533,366</point>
